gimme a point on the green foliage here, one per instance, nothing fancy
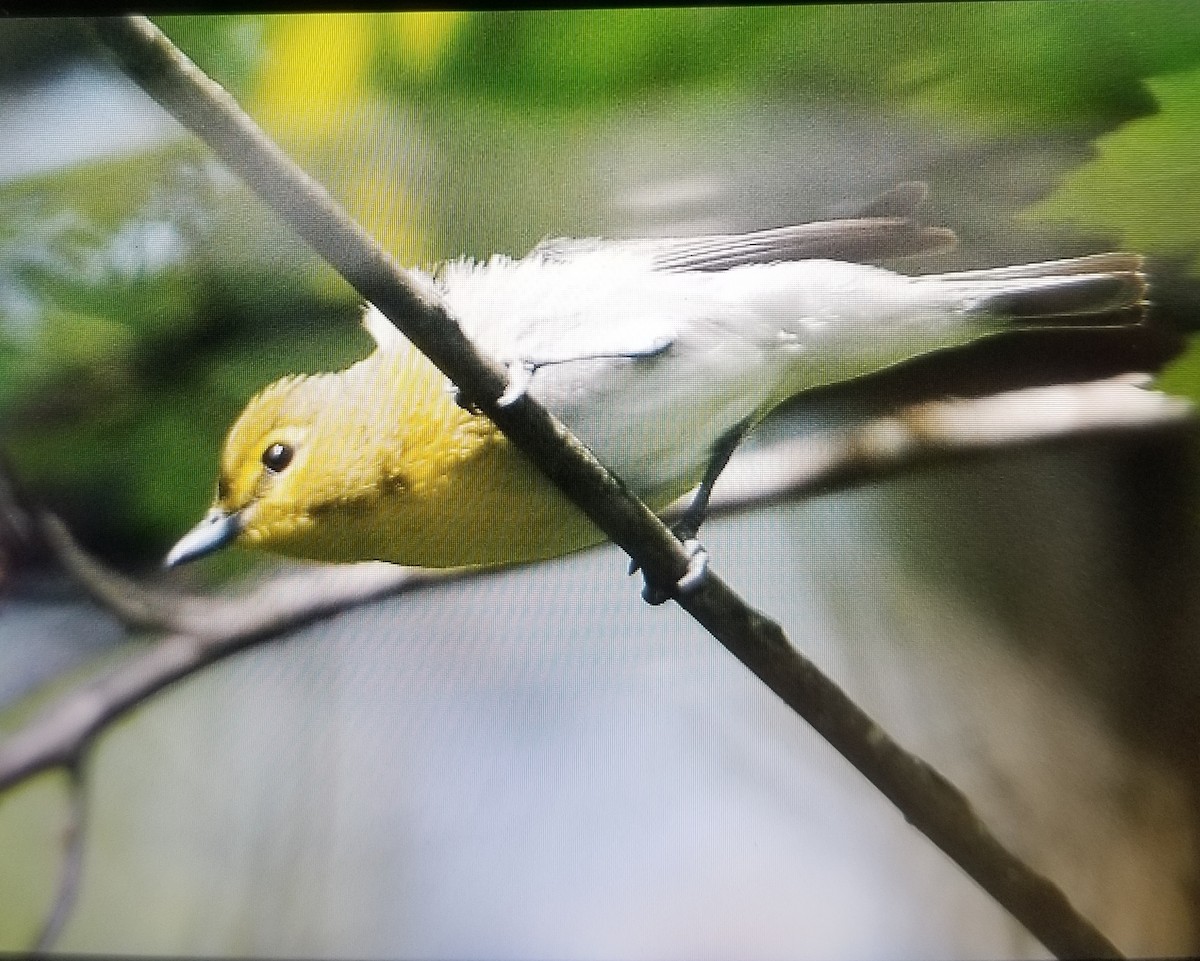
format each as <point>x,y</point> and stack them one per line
<point>125,283</point>
<point>1053,64</point>
<point>32,820</point>
<point>1182,377</point>
<point>1144,183</point>
<point>132,287</point>
<point>1038,65</point>
<point>1144,186</point>
<point>229,47</point>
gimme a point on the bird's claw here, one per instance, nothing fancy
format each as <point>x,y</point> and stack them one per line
<point>695,575</point>
<point>520,376</point>
<point>697,569</point>
<point>687,529</point>
<point>461,399</point>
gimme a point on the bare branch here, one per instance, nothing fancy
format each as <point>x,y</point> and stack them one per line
<point>212,630</point>
<point>216,621</point>
<point>944,432</point>
<point>925,798</point>
<point>135,606</point>
<point>205,108</point>
<point>71,870</point>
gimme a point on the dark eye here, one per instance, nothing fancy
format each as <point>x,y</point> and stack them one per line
<point>276,457</point>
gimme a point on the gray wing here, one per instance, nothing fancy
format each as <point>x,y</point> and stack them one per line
<point>882,230</point>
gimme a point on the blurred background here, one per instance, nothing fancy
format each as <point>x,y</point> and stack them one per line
<point>536,764</point>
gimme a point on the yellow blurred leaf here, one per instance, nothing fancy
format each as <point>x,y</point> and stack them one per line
<point>385,208</point>
<point>313,74</point>
<point>421,38</point>
<point>315,92</point>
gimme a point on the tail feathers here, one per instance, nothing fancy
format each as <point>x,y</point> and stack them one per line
<point>1098,290</point>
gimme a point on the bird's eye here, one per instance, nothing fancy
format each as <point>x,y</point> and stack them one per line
<point>276,457</point>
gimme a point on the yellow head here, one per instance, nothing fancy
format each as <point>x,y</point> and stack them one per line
<point>273,466</point>
<point>312,456</point>
<point>377,462</point>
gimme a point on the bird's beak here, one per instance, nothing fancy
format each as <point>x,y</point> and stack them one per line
<point>215,531</point>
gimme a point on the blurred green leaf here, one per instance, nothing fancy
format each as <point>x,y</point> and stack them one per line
<point>123,284</point>
<point>32,821</point>
<point>1144,186</point>
<point>1043,64</point>
<point>1182,376</point>
<point>1145,182</point>
<point>1050,64</point>
<point>229,47</point>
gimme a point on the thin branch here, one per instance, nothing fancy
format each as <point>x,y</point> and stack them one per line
<point>135,606</point>
<point>71,870</point>
<point>204,107</point>
<point>213,630</point>
<point>944,432</point>
<point>923,796</point>
<point>215,621</point>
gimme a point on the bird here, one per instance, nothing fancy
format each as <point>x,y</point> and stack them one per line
<point>660,354</point>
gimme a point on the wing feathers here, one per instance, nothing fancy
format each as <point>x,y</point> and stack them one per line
<point>861,240</point>
<point>881,230</point>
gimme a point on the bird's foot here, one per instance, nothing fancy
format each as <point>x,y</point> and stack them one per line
<point>461,398</point>
<point>695,575</point>
<point>520,376</point>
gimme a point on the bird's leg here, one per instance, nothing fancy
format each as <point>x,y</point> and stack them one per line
<point>520,376</point>
<point>460,398</point>
<point>688,526</point>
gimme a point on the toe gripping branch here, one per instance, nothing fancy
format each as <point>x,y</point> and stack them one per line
<point>695,575</point>
<point>520,376</point>
<point>688,526</point>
